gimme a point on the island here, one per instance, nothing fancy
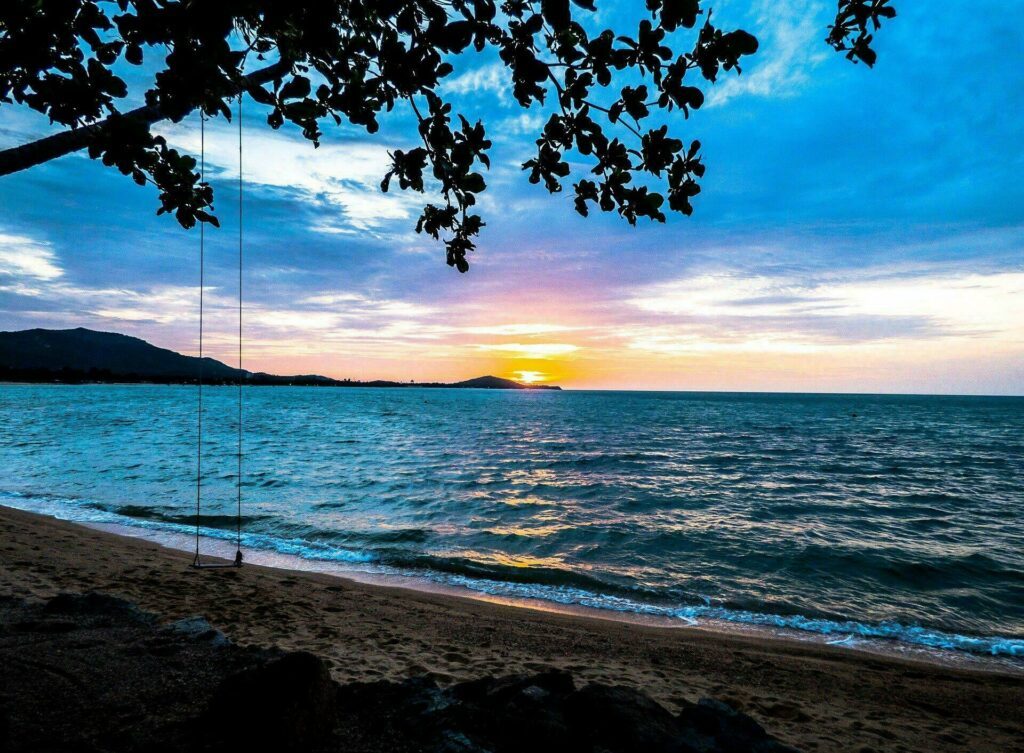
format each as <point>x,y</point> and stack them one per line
<point>85,356</point>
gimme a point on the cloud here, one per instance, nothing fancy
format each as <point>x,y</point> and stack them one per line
<point>493,77</point>
<point>672,345</point>
<point>989,305</point>
<point>525,123</point>
<point>328,323</point>
<point>60,302</point>
<point>790,33</point>
<point>518,329</point>
<point>530,350</point>
<point>162,304</point>
<point>332,299</point>
<point>720,294</point>
<point>343,177</point>
<point>727,311</point>
<point>24,257</point>
<point>345,316</point>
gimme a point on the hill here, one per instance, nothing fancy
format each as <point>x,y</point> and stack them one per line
<point>85,355</point>
<point>86,351</point>
<point>499,383</point>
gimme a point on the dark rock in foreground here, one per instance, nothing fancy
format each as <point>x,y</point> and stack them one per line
<point>541,713</point>
<point>94,673</point>
<point>285,705</point>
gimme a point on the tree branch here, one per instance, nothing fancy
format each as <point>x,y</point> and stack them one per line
<point>22,157</point>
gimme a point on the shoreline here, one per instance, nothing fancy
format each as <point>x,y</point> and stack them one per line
<point>812,696</point>
<point>223,550</point>
<point>384,576</point>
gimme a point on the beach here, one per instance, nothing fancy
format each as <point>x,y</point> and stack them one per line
<point>810,696</point>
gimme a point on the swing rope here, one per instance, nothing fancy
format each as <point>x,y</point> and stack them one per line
<point>202,272</point>
<point>238,519</point>
<point>197,562</point>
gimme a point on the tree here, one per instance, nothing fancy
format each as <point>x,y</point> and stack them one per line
<point>317,61</point>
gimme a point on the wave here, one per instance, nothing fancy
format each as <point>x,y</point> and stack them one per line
<point>553,585</point>
<point>911,634</point>
<point>162,514</point>
<point>81,511</point>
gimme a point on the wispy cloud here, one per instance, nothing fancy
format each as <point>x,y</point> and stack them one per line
<point>493,77</point>
<point>790,33</point>
<point>343,179</point>
<point>23,257</point>
<point>729,311</point>
<point>518,329</point>
<point>530,350</point>
<point>523,124</point>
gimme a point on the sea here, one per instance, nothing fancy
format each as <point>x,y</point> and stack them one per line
<point>851,519</point>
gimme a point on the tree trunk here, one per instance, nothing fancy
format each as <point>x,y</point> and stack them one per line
<point>22,157</point>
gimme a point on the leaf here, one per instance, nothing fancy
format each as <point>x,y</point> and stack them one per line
<point>298,88</point>
<point>743,42</point>
<point>261,95</point>
<point>455,37</point>
<point>556,13</point>
<point>133,54</point>
<point>675,13</point>
<point>474,182</point>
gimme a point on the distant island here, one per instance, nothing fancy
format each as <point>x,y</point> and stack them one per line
<point>82,356</point>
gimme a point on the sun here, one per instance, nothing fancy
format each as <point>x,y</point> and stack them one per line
<point>530,377</point>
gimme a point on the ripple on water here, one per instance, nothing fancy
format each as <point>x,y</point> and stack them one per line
<point>899,523</point>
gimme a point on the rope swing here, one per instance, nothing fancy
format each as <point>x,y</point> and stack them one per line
<point>197,561</point>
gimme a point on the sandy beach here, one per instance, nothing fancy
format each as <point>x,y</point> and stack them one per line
<point>810,696</point>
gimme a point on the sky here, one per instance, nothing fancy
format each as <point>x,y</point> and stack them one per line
<point>860,230</point>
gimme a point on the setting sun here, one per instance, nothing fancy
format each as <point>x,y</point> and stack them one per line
<point>529,377</point>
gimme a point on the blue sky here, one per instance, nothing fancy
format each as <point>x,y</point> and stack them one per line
<point>859,230</point>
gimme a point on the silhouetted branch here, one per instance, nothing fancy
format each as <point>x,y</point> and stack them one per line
<point>23,157</point>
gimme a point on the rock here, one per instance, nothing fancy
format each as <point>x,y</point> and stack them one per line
<point>44,626</point>
<point>710,726</point>
<point>621,719</point>
<point>183,687</point>
<point>393,717</point>
<point>97,606</point>
<point>500,690</point>
<point>515,713</point>
<point>415,698</point>
<point>5,724</point>
<point>198,629</point>
<point>542,713</point>
<point>287,704</point>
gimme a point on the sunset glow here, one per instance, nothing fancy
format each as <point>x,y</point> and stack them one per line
<point>901,277</point>
<point>529,377</point>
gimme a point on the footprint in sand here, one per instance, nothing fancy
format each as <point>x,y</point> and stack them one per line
<point>788,712</point>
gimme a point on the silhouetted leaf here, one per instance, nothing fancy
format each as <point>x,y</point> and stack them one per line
<point>59,58</point>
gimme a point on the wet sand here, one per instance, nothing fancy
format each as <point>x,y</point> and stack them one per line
<point>814,697</point>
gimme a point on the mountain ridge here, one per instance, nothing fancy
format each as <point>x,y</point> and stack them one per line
<point>83,355</point>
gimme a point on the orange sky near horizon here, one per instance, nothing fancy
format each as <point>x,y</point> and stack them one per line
<point>928,333</point>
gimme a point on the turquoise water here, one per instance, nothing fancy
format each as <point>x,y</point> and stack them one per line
<point>893,517</point>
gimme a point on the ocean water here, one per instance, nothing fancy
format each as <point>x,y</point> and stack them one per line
<point>896,518</point>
